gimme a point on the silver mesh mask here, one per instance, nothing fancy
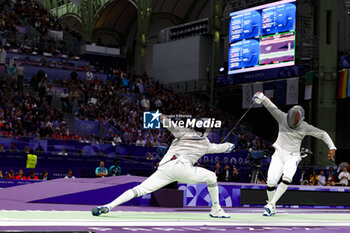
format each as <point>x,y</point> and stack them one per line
<point>205,130</point>
<point>292,114</point>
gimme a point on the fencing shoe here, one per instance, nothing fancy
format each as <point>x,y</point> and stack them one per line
<point>269,210</point>
<point>97,211</point>
<point>218,213</point>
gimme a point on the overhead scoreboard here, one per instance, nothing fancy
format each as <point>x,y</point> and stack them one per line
<point>262,37</point>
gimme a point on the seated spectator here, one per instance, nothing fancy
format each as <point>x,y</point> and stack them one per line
<point>38,150</point>
<point>1,175</point>
<point>145,104</point>
<point>12,148</point>
<point>226,173</point>
<point>26,149</point>
<point>235,175</point>
<point>115,169</point>
<point>313,178</point>
<point>303,178</point>
<point>32,176</point>
<point>140,142</point>
<point>45,176</point>
<point>217,170</point>
<point>20,175</point>
<point>65,100</point>
<point>344,177</point>
<point>149,156</point>
<point>63,152</point>
<point>321,179</point>
<point>330,177</point>
<point>101,171</point>
<point>2,149</point>
<point>69,174</point>
<point>89,75</point>
<point>117,139</point>
<point>10,175</point>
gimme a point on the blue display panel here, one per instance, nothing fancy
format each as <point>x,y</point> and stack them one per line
<point>244,54</point>
<point>246,25</point>
<point>262,37</point>
<point>280,18</point>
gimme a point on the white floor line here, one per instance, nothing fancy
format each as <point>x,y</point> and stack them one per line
<point>167,223</point>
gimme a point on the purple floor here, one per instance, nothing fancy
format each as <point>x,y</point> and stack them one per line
<point>17,198</point>
<point>203,229</point>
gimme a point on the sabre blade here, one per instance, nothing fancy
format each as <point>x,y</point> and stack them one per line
<point>238,122</point>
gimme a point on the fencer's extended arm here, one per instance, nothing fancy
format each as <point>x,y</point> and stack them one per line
<point>272,108</point>
<point>320,134</point>
<point>176,131</point>
<point>220,148</point>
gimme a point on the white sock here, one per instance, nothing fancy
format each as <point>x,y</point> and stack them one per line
<point>126,196</point>
<point>282,187</point>
<point>214,195</point>
<point>270,194</point>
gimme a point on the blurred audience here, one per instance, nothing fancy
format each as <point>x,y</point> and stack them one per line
<point>235,177</point>
<point>32,176</point>
<point>101,171</point>
<point>115,169</point>
<point>63,152</point>
<point>303,178</point>
<point>20,175</point>
<point>322,179</point>
<point>331,175</point>
<point>45,176</point>
<point>69,174</point>
<point>226,173</point>
<point>313,178</point>
<point>217,171</point>
<point>344,177</point>
<point>10,175</point>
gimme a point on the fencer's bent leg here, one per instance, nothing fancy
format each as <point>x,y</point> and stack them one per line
<point>274,174</point>
<point>281,189</point>
<point>289,169</point>
<point>189,174</point>
<point>270,192</point>
<point>156,181</point>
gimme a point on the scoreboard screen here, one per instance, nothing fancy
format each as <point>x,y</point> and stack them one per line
<point>262,37</point>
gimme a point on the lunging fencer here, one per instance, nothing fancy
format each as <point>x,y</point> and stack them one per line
<point>285,160</point>
<point>189,145</point>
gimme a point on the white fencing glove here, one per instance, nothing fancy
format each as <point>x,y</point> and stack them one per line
<point>231,147</point>
<point>258,97</point>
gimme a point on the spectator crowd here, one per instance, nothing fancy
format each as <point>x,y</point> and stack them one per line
<point>31,175</point>
<point>329,178</point>
<point>118,103</point>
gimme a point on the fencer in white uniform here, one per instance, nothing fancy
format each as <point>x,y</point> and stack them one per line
<point>177,165</point>
<point>285,160</point>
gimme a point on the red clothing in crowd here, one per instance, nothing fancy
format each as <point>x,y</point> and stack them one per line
<point>35,178</point>
<point>18,177</point>
<point>9,178</point>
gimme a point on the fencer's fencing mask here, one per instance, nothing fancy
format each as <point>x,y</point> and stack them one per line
<point>295,116</point>
<point>203,130</point>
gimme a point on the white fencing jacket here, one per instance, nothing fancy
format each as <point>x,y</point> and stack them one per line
<point>290,139</point>
<point>189,145</point>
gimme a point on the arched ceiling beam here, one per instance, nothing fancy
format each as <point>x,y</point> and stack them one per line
<point>174,19</point>
<point>123,11</point>
<point>118,36</point>
<point>202,8</point>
